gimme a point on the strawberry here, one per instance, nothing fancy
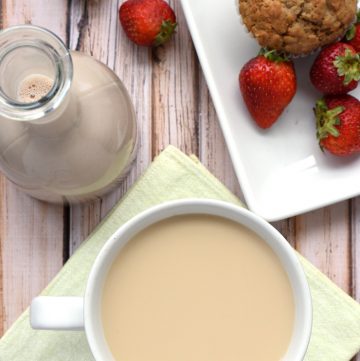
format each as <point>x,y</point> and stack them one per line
<point>338,124</point>
<point>336,70</point>
<point>352,36</point>
<point>147,22</point>
<point>268,84</point>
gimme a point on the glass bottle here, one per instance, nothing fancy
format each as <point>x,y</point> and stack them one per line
<point>67,124</point>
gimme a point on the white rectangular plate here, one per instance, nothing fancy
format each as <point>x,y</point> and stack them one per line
<point>282,171</point>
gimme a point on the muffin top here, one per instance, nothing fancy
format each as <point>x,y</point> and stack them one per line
<point>297,27</point>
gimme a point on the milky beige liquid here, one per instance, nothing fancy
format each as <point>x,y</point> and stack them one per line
<point>34,87</point>
<point>78,151</point>
<point>197,288</point>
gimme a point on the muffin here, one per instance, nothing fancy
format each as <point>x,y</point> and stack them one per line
<point>297,27</point>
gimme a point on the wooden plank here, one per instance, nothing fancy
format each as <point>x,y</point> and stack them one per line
<point>355,241</point>
<point>95,29</point>
<point>3,226</point>
<point>31,232</point>
<point>32,249</point>
<point>323,237</point>
<point>287,228</point>
<point>212,148</point>
<point>51,15</point>
<point>174,91</point>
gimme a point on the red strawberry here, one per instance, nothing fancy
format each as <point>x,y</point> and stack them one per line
<point>267,84</point>
<point>336,70</point>
<point>147,22</point>
<point>338,124</point>
<point>352,36</point>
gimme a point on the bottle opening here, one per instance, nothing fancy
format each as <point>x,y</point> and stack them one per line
<point>34,88</point>
<point>27,75</point>
<point>35,72</point>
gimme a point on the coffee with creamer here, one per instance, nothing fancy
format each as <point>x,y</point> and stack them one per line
<point>197,288</point>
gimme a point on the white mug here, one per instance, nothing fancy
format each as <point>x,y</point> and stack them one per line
<point>71,313</point>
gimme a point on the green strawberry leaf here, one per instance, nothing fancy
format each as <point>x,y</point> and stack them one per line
<point>327,119</point>
<point>348,66</point>
<point>350,33</point>
<point>166,30</point>
<point>273,55</point>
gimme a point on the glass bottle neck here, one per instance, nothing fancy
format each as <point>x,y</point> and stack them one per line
<point>33,59</point>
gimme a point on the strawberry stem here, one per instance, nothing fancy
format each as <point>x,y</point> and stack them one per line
<point>350,33</point>
<point>166,30</point>
<point>352,30</point>
<point>273,55</point>
<point>327,119</point>
<point>348,66</point>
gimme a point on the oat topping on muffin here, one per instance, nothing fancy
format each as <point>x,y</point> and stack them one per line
<point>297,27</point>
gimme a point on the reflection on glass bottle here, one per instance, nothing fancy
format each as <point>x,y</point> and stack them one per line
<point>67,125</point>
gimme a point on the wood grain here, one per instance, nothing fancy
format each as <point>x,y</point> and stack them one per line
<point>355,241</point>
<point>95,29</point>
<point>174,91</point>
<point>31,232</point>
<point>32,251</point>
<point>323,237</point>
<point>3,227</point>
<point>84,217</point>
<point>134,67</point>
<point>212,148</point>
<point>287,228</point>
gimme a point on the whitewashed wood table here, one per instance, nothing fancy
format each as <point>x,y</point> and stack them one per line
<point>173,106</point>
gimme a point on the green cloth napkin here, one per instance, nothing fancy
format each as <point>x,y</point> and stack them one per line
<point>173,175</point>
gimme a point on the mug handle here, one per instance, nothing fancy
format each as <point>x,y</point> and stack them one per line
<point>57,313</point>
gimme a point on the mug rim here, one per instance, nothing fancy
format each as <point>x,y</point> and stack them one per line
<point>223,209</point>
